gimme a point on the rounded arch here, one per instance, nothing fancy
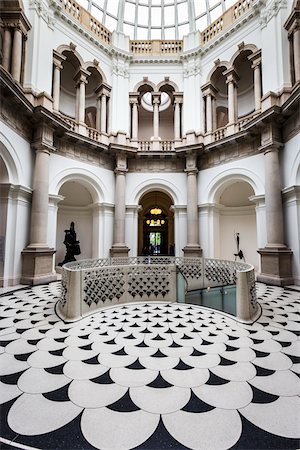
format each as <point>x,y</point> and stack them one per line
<point>155,185</point>
<point>92,183</point>
<point>216,67</point>
<point>167,83</point>
<point>223,180</point>
<point>11,160</point>
<point>295,172</point>
<point>68,48</point>
<point>88,64</point>
<point>246,48</point>
<point>144,83</point>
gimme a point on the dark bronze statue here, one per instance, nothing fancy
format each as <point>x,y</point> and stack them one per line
<point>72,245</point>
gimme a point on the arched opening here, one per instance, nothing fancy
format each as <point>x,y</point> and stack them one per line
<point>220,114</point>
<point>156,224</point>
<point>245,87</point>
<point>237,222</point>
<point>67,104</point>
<point>4,177</point>
<point>94,81</point>
<point>166,113</point>
<point>145,114</point>
<point>75,207</point>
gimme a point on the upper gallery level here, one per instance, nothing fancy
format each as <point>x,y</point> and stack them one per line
<point>219,73</point>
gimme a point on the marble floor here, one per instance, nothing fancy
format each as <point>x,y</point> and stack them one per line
<point>149,376</point>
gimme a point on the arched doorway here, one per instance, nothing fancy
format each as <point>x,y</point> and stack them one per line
<point>156,224</point>
<point>237,222</point>
<point>75,207</point>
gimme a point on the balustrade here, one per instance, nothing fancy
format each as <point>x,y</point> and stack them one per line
<point>220,133</point>
<point>90,285</point>
<point>156,47</point>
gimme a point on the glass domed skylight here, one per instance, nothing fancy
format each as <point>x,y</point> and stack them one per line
<point>156,19</point>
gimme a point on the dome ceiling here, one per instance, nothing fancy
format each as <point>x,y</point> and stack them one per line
<point>156,19</point>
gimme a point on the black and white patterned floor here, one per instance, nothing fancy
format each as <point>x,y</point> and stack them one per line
<point>149,376</point>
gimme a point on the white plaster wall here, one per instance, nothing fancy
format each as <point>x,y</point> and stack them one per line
<point>246,103</point>
<point>290,161</point>
<point>67,103</point>
<point>239,220</point>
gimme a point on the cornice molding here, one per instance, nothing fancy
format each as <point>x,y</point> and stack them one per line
<point>271,11</point>
<point>43,11</point>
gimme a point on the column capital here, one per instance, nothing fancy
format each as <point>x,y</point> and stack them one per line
<point>134,98</point>
<point>231,76</point>
<point>191,171</point>
<point>43,139</point>
<point>255,58</point>
<point>58,59</point>
<point>178,98</point>
<point>191,162</point>
<point>15,19</point>
<point>209,89</point>
<point>103,89</point>
<point>270,147</point>
<point>155,96</point>
<point>81,76</point>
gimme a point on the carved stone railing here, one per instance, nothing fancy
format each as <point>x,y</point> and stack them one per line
<point>86,20</point>
<point>70,121</point>
<point>163,146</point>
<point>230,16</point>
<point>220,133</point>
<point>93,134</point>
<point>90,285</point>
<point>243,120</point>
<point>156,47</point>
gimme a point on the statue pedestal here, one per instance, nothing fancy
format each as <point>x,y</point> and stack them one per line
<point>276,266</point>
<point>37,265</point>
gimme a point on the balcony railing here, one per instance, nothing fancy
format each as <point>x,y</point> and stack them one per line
<point>86,19</point>
<point>226,20</point>
<point>156,47</point>
<point>163,146</point>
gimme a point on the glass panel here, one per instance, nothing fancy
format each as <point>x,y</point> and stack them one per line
<point>155,17</point>
<point>182,12</point>
<point>112,8</point>
<point>83,3</point>
<point>212,3</point>
<point>169,15</point>
<point>129,12</point>
<point>143,15</point>
<point>142,33</point>
<point>97,13</point>
<point>155,34</point>
<point>170,33</point>
<point>128,30</point>
<point>216,13</point>
<point>183,30</point>
<point>200,7</point>
<point>99,3</point>
<point>229,3</point>
<point>201,23</point>
<point>110,23</point>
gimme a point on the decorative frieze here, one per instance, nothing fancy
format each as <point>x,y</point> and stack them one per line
<point>272,10</point>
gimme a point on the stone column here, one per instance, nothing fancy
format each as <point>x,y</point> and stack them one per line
<point>232,80</point>
<point>276,258</point>
<point>209,92</point>
<point>296,49</point>
<point>57,61</point>
<point>80,79</point>
<point>103,93</point>
<point>255,58</point>
<point>134,102</point>
<point>177,121</point>
<point>17,49</point>
<point>155,103</point>
<point>7,43</point>
<point>38,257</point>
<point>119,247</point>
<point>192,248</point>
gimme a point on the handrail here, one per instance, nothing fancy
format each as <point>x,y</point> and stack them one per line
<point>89,285</point>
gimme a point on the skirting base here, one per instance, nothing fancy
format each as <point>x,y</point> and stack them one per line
<point>119,251</point>
<point>192,251</point>
<point>37,266</point>
<point>276,266</point>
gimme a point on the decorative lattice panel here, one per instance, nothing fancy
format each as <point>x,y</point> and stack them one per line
<point>252,289</point>
<point>220,272</point>
<point>148,281</point>
<point>190,267</point>
<point>64,288</point>
<point>103,285</point>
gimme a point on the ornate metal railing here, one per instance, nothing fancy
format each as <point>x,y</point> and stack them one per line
<point>92,284</point>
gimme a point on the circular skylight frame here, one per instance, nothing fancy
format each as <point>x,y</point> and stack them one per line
<point>146,101</point>
<point>128,16</point>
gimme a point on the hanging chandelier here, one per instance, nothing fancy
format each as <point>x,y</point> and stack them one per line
<point>155,211</point>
